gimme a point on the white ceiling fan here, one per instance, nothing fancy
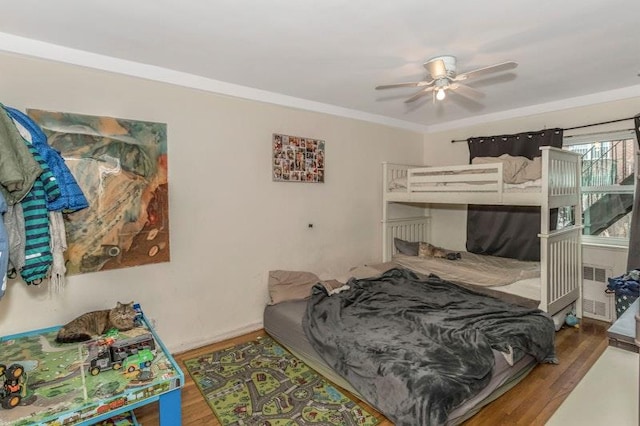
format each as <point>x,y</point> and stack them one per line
<point>442,76</point>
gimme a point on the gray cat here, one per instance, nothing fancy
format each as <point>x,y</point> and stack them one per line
<point>95,323</point>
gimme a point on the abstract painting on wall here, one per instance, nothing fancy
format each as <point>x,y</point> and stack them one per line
<point>121,166</point>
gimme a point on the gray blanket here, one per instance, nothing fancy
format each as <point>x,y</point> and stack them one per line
<point>417,348</point>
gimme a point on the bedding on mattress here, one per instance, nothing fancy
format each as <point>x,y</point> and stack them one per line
<point>283,322</point>
<point>417,348</point>
<point>476,269</point>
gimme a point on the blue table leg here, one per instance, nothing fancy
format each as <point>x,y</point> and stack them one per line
<point>170,408</point>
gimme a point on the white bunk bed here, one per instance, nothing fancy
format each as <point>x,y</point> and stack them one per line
<point>559,186</point>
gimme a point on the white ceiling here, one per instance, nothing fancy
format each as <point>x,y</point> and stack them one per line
<point>329,55</point>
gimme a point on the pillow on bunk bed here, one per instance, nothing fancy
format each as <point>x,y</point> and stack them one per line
<point>406,247</point>
<point>514,169</point>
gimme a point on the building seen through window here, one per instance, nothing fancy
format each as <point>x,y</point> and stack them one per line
<point>608,179</point>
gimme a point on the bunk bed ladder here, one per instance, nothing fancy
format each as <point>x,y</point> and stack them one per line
<point>561,250</point>
<point>561,270</point>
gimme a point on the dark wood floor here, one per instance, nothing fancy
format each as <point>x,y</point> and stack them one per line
<point>531,402</point>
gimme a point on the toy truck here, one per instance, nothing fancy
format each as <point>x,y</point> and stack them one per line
<point>13,387</point>
<point>112,354</point>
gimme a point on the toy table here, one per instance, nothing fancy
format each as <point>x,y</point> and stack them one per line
<point>62,387</point>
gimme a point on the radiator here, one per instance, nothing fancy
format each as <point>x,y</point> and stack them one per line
<point>595,302</point>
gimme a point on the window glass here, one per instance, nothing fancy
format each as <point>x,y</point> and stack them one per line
<point>608,179</point>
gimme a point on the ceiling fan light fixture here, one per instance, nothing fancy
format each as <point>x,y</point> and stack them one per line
<point>442,75</point>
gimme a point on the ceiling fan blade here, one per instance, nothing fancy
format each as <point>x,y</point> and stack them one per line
<point>420,94</point>
<point>467,91</point>
<point>410,84</point>
<point>504,66</point>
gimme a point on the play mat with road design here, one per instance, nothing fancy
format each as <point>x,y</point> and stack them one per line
<point>260,383</point>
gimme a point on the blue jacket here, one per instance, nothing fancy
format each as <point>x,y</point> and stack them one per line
<point>72,198</point>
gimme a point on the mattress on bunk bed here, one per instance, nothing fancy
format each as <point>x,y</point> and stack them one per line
<point>283,321</point>
<point>476,269</point>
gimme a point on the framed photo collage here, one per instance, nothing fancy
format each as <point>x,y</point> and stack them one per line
<point>297,159</point>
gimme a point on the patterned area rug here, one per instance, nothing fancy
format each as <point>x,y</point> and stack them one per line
<point>261,383</point>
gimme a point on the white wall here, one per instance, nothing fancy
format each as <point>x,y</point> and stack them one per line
<point>230,224</point>
<point>450,231</point>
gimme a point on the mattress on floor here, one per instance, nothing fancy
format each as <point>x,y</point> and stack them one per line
<point>283,322</point>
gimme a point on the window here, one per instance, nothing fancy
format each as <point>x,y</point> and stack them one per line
<point>608,179</point>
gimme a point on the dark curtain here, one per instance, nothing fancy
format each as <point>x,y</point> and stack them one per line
<point>508,231</point>
<point>633,258</point>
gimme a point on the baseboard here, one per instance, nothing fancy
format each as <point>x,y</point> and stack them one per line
<point>187,346</point>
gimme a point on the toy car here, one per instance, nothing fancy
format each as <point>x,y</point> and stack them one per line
<point>13,387</point>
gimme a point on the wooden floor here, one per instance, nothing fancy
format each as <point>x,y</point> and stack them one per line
<point>531,402</point>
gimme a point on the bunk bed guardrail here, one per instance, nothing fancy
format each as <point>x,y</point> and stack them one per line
<point>484,183</point>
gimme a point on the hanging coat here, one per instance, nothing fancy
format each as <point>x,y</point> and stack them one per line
<point>14,225</point>
<point>18,168</point>
<point>71,198</point>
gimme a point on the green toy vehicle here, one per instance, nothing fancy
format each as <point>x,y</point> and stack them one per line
<point>140,360</point>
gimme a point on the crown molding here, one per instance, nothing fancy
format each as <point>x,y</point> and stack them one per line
<point>38,49</point>
<point>42,50</point>
<point>576,102</point>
